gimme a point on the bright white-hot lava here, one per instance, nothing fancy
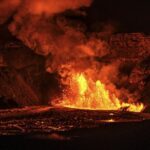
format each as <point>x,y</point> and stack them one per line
<point>84,93</point>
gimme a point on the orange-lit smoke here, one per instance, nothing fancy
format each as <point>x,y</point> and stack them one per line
<point>51,7</point>
<point>7,8</point>
<point>37,24</point>
<point>42,25</point>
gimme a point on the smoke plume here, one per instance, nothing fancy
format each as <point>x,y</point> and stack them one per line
<point>40,25</point>
<point>43,26</point>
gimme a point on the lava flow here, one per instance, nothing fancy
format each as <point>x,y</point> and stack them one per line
<point>84,93</point>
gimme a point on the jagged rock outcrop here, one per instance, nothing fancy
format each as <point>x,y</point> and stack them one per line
<point>134,51</point>
<point>13,86</point>
<point>21,73</point>
<point>132,45</point>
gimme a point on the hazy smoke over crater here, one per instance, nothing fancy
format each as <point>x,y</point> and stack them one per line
<point>42,27</point>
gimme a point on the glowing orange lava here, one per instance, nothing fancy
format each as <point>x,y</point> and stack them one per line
<point>84,93</point>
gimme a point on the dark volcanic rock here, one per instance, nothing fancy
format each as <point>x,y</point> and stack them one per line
<point>20,72</point>
<point>7,103</point>
<point>23,77</point>
<point>14,87</point>
<point>134,52</point>
<point>133,45</point>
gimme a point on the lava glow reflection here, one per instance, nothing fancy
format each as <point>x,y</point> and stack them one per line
<point>84,93</point>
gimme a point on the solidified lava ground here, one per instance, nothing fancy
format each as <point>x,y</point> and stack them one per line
<point>37,120</point>
<point>64,129</point>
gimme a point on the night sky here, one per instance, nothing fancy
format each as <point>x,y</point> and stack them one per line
<point>127,15</point>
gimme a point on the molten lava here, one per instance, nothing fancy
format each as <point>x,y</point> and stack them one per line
<point>84,93</point>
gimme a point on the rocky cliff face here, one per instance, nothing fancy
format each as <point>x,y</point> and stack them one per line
<point>21,74</point>
<point>134,51</point>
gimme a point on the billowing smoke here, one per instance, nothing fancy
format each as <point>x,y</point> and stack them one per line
<point>7,7</point>
<point>50,7</point>
<point>43,26</point>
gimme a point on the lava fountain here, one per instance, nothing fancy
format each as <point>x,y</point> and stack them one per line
<point>82,92</point>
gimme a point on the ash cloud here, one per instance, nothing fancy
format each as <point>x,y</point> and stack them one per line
<point>42,27</point>
<point>50,7</point>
